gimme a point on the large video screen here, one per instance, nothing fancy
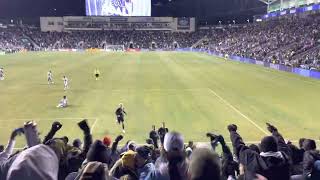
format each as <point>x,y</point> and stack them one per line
<point>118,7</point>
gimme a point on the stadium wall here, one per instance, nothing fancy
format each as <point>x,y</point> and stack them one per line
<point>73,23</point>
<point>280,67</point>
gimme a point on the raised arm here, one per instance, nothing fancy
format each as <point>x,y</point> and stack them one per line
<point>87,136</point>
<point>55,127</point>
<point>115,143</point>
<point>9,149</point>
<point>236,139</point>
<point>282,146</point>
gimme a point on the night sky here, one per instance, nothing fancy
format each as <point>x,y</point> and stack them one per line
<point>207,10</point>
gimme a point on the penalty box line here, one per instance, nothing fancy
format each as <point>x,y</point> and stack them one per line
<point>238,111</point>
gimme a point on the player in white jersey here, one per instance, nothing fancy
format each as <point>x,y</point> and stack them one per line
<point>50,78</point>
<point>63,102</point>
<point>1,74</point>
<point>65,82</point>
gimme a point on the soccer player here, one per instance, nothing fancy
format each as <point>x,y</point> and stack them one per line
<point>97,74</point>
<point>63,102</point>
<point>1,74</point>
<point>65,82</point>
<point>120,116</point>
<point>50,77</point>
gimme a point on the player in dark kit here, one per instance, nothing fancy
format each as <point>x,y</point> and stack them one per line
<point>120,116</point>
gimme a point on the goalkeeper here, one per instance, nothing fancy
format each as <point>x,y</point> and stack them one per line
<point>97,74</point>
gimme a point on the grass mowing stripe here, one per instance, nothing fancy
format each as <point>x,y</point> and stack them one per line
<point>239,112</point>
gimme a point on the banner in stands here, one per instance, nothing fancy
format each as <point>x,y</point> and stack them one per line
<point>299,71</point>
<point>183,23</point>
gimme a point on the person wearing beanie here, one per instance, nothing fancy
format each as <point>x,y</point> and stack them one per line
<point>77,143</point>
<point>143,162</point>
<point>311,160</point>
<point>172,164</point>
<point>204,165</point>
<point>272,163</point>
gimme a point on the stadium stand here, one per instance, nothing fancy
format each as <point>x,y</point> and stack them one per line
<point>164,156</point>
<point>291,41</point>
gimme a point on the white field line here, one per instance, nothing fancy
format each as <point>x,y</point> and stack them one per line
<point>156,90</point>
<point>238,111</point>
<point>93,125</point>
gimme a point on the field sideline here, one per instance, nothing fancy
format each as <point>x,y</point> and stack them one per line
<point>193,93</point>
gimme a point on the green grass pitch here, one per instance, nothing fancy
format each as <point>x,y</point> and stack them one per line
<point>191,92</point>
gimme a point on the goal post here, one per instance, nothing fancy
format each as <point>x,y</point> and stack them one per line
<point>114,48</point>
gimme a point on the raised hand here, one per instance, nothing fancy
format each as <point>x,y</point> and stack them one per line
<point>232,127</point>
<point>271,128</point>
<point>16,132</point>
<point>56,126</point>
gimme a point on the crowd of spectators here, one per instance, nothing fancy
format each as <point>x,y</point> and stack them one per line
<point>164,156</point>
<point>292,41</point>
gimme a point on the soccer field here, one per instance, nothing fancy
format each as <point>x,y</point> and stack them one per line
<point>192,93</point>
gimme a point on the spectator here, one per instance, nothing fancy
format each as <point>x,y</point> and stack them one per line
<point>272,162</point>
<point>204,165</point>
<point>172,164</point>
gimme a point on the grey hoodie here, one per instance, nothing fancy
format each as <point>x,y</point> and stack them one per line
<point>36,163</point>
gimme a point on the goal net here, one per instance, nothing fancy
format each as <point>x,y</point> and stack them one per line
<point>114,48</point>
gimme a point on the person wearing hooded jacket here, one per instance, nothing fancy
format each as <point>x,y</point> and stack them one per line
<point>173,163</point>
<point>272,163</point>
<point>143,162</point>
<point>311,160</point>
<point>38,162</point>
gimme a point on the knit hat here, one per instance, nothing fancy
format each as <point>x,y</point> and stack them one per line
<point>128,159</point>
<point>77,143</point>
<point>173,141</point>
<point>269,144</point>
<point>98,152</point>
<point>144,151</point>
<point>107,141</point>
